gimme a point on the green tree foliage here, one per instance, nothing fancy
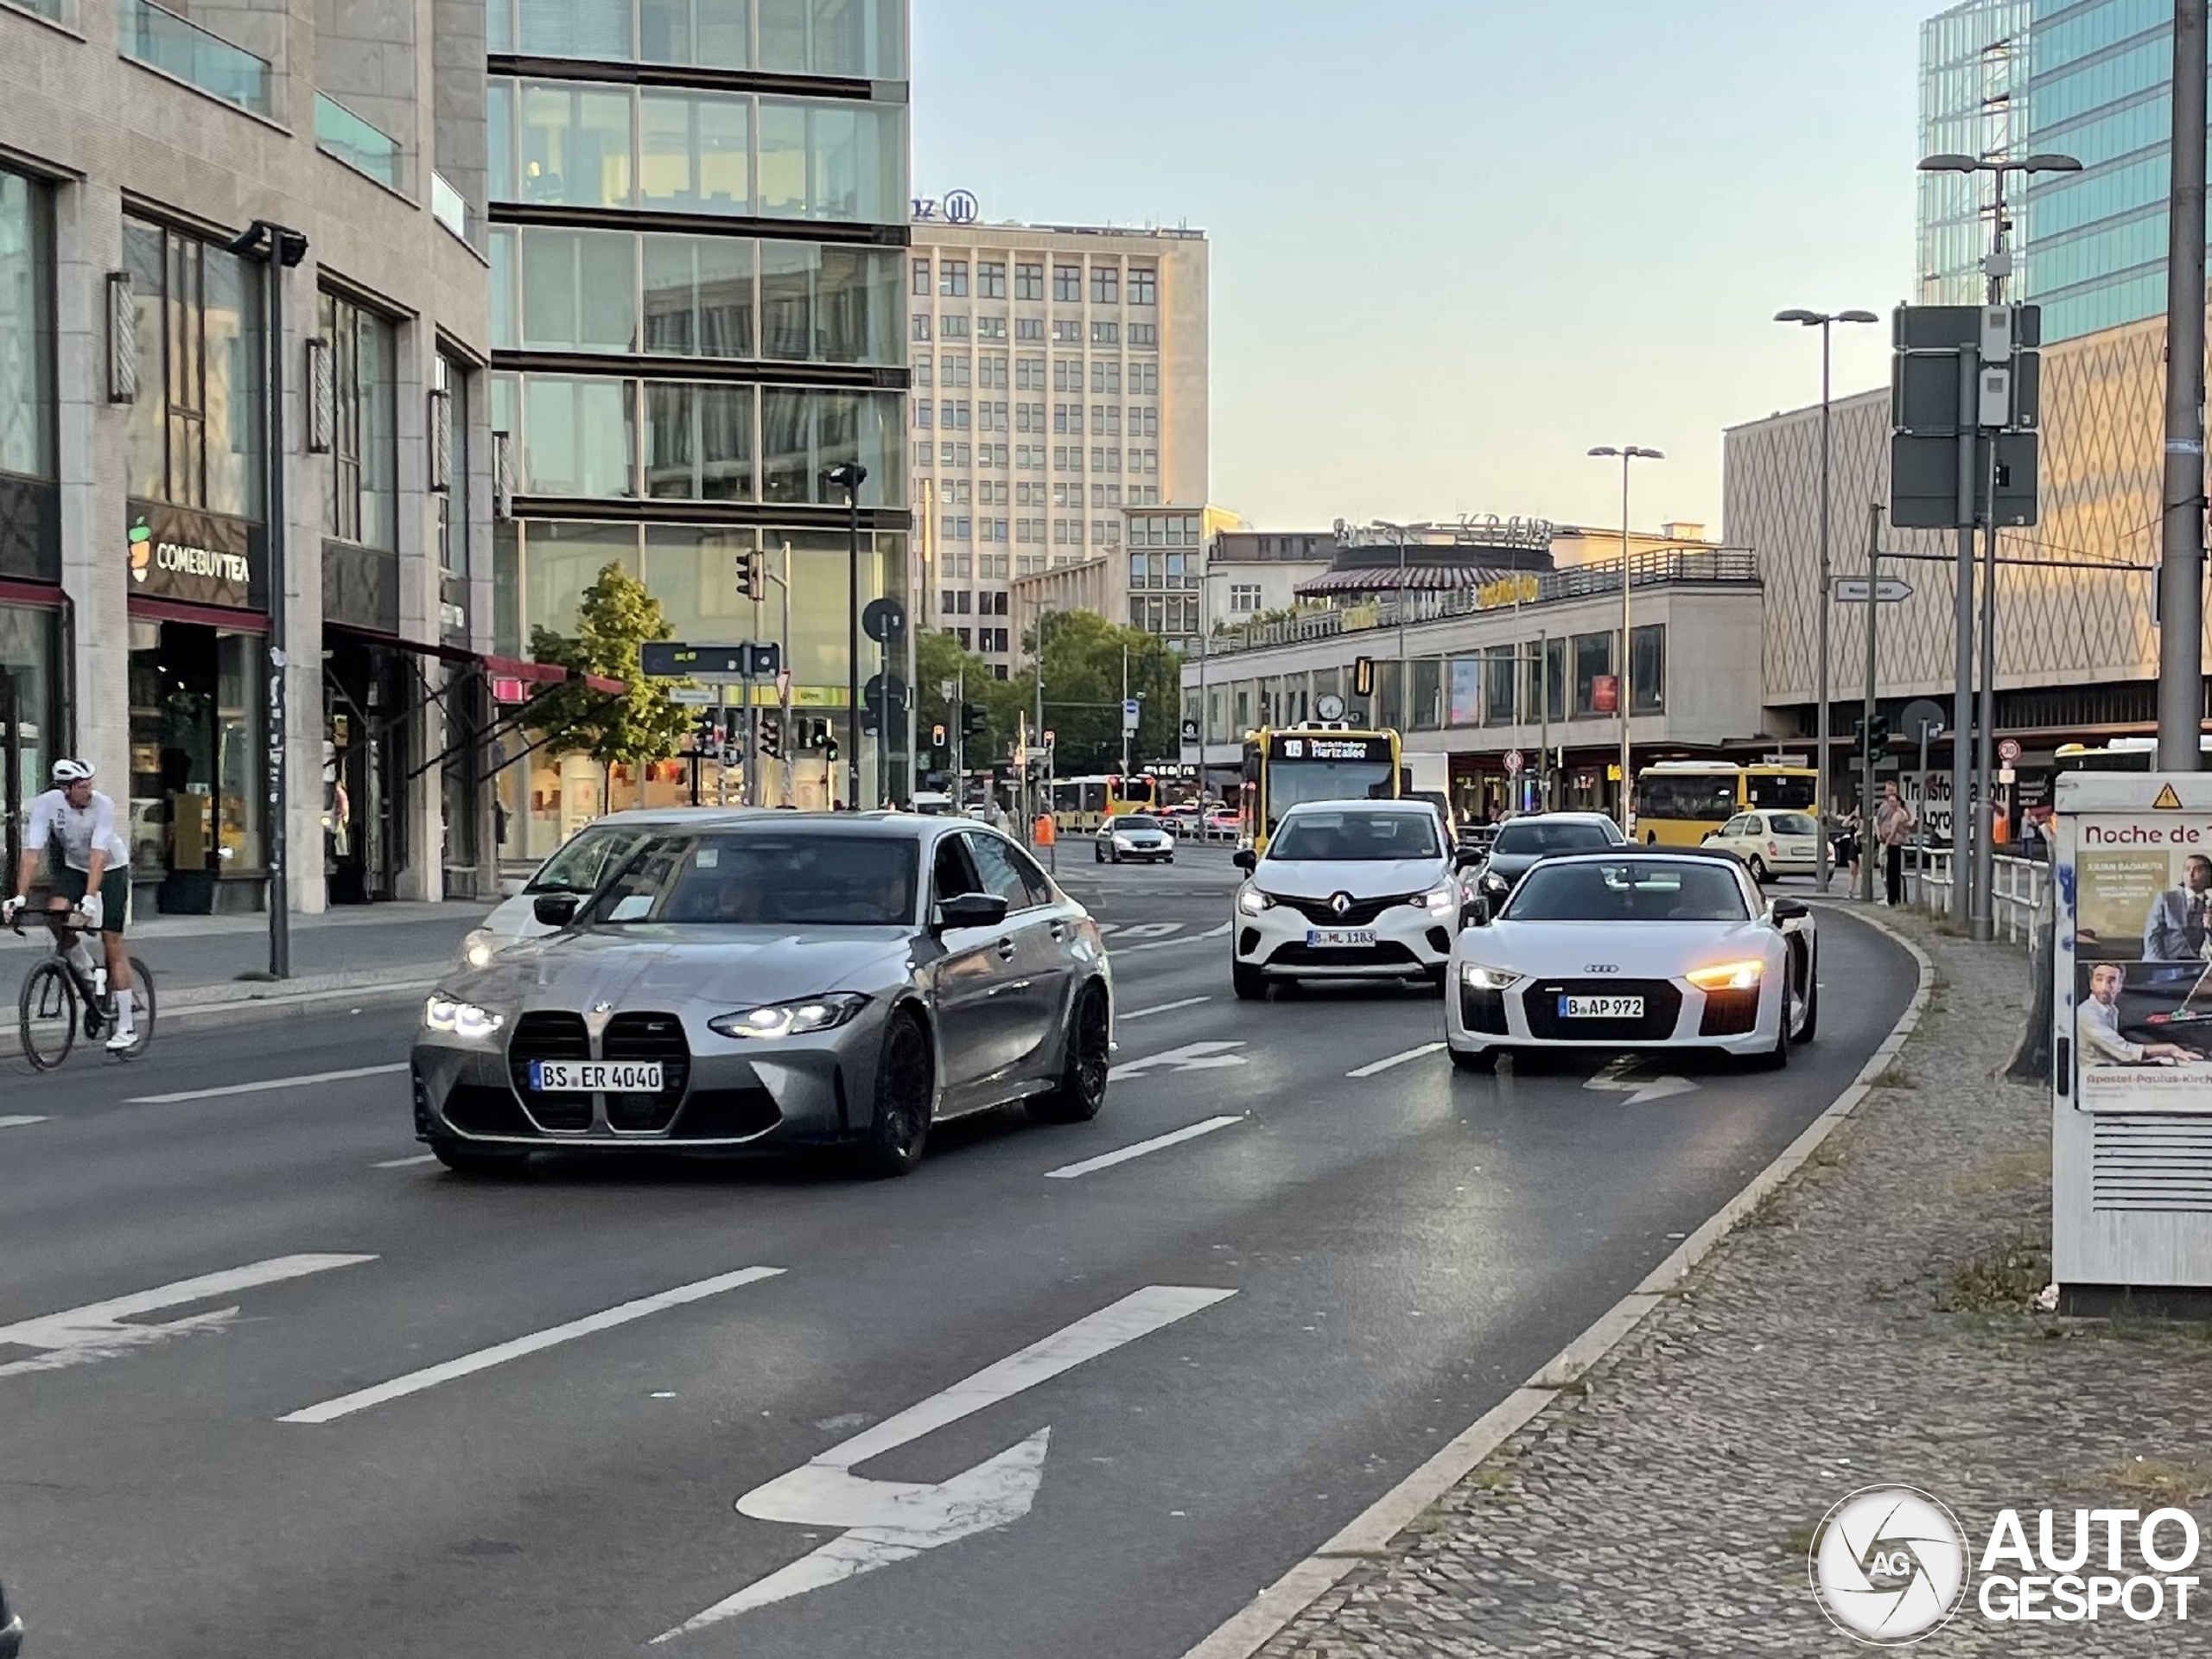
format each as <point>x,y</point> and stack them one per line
<point>939,660</point>
<point>616,616</point>
<point>1082,655</point>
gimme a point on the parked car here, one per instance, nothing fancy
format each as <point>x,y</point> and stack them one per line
<point>774,979</point>
<point>1186,820</point>
<point>1771,843</point>
<point>1133,837</point>
<point>1223,823</point>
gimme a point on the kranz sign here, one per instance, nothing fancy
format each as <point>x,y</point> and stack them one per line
<point>203,559</point>
<point>710,664</point>
<point>959,208</point>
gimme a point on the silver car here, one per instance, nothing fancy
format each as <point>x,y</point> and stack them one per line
<point>816,978</point>
<point>1133,835</point>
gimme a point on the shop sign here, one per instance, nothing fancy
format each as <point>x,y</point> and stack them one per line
<point>203,558</point>
<point>1508,590</point>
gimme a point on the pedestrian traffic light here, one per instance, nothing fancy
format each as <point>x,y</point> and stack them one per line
<point>936,736</point>
<point>706,735</point>
<point>771,737</point>
<point>829,749</point>
<point>752,574</point>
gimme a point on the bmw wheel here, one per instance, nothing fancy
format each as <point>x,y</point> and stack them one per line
<point>904,1084</point>
<point>1082,1088</point>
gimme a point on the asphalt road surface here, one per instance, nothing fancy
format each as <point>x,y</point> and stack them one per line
<point>271,1384</point>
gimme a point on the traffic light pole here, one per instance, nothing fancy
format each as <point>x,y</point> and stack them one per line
<point>1866,725</point>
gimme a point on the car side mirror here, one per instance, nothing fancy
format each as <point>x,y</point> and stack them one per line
<point>970,910</point>
<point>554,909</point>
<point>1789,910</point>
<point>1465,858</point>
<point>1246,860</point>
<point>1475,914</point>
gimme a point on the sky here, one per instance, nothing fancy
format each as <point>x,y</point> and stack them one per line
<point>1458,243</point>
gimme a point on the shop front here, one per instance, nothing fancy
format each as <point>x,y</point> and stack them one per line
<point>198,706</point>
<point>33,732</point>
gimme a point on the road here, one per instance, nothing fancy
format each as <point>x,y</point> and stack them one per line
<point>1230,1344</point>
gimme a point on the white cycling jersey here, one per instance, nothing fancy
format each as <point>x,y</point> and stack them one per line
<point>77,831</point>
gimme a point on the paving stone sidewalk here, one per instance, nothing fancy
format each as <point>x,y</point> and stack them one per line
<point>1869,1323</point>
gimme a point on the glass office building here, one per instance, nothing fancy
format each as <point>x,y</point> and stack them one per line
<point>698,256</point>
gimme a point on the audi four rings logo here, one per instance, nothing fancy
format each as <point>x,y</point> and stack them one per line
<point>1601,967</point>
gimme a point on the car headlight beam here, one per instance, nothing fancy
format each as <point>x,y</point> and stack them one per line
<point>1441,900</point>
<point>479,948</point>
<point>1726,975</point>
<point>1477,977</point>
<point>459,1019</point>
<point>800,1018</point>
<point>1252,901</point>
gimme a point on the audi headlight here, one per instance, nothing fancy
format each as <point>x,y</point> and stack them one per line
<point>1441,902</point>
<point>798,1019</point>
<point>459,1019</point>
<point>1479,978</point>
<point>1252,901</point>
<point>479,948</point>
<point>1726,975</point>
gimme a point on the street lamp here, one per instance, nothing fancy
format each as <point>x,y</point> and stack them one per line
<point>1821,319</point>
<point>849,477</point>
<point>1977,911</point>
<point>1627,454</point>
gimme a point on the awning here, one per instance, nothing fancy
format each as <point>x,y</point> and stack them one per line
<point>1384,579</point>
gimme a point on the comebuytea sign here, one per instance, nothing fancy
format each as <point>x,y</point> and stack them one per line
<point>203,558</point>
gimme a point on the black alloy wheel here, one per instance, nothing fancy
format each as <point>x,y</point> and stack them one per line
<point>46,1012</point>
<point>1087,1048</point>
<point>904,1084</point>
<point>1811,1026</point>
<point>1758,870</point>
<point>1777,1057</point>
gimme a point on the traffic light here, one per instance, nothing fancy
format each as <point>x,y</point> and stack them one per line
<point>707,734</point>
<point>974,719</point>
<point>771,737</point>
<point>936,735</point>
<point>1871,737</point>
<point>752,574</point>
<point>829,749</point>
<point>1363,676</point>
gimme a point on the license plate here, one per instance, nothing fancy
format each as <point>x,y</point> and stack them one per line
<point>1601,1008</point>
<point>1340,938</point>
<point>595,1077</point>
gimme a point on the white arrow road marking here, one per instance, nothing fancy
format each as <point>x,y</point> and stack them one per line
<point>1107,1160</point>
<point>888,1521</point>
<point>97,1331</point>
<point>1164,1008</point>
<point>1609,1080</point>
<point>1171,944</point>
<point>485,1358</point>
<point>268,1085</point>
<point>1192,1057</point>
<point>1149,929</point>
<point>19,1122</point>
<point>1372,1067</point>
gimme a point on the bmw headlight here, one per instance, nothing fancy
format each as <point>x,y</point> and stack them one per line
<point>479,948</point>
<point>1441,902</point>
<point>1252,901</point>
<point>1479,978</point>
<point>1726,975</point>
<point>798,1019</point>
<point>459,1019</point>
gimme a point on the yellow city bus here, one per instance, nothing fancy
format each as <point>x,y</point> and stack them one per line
<point>1679,803</point>
<point>1080,804</point>
<point>1288,764</point>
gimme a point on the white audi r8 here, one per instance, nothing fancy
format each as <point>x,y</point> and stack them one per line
<point>1632,949</point>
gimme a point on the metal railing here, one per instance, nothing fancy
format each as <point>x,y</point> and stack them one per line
<point>363,146</point>
<point>448,206</point>
<point>2017,886</point>
<point>147,34</point>
<point>1662,567</point>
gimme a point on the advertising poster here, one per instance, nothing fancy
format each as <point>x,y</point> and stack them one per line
<point>2143,964</point>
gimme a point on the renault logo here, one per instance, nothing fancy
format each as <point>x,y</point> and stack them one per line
<point>1340,903</point>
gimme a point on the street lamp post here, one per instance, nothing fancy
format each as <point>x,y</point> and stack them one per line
<point>1821,319</point>
<point>1981,821</point>
<point>849,478</point>
<point>1627,453</point>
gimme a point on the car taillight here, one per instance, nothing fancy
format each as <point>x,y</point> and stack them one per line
<point>1772,850</point>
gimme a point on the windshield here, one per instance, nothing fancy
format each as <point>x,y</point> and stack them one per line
<point>1769,790</point>
<point>1290,783</point>
<point>1135,820</point>
<point>1533,836</point>
<point>1355,837</point>
<point>820,880</point>
<point>578,867</point>
<point>1793,823</point>
<point>1627,890</point>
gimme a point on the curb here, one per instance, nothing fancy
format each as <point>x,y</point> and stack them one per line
<point>1369,1533</point>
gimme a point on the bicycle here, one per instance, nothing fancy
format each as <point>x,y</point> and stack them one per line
<point>59,996</point>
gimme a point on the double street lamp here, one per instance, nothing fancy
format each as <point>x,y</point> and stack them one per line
<point>1822,319</point>
<point>1627,453</point>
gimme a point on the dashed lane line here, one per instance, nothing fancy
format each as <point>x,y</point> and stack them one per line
<point>1107,1160</point>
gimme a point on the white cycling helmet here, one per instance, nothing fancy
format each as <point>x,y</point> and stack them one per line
<point>67,772</point>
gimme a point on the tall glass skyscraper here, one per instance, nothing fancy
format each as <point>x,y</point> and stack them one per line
<point>700,217</point>
<point>2084,78</point>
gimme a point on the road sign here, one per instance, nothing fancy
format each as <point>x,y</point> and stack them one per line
<point>695,695</point>
<point>1130,710</point>
<point>1923,720</point>
<point>885,692</point>
<point>1190,731</point>
<point>1852,590</point>
<point>1924,479</point>
<point>884,621</point>
<point>2008,750</point>
<point>664,659</point>
<point>1513,759</point>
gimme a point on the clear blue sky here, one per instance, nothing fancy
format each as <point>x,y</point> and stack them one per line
<point>1456,243</point>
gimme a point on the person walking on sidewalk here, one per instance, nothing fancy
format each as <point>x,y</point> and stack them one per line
<point>1893,824</point>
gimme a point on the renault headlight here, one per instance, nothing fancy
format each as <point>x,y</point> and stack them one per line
<point>1477,977</point>
<point>1441,902</point>
<point>459,1019</point>
<point>1252,901</point>
<point>799,1019</point>
<point>480,947</point>
<point>1726,975</point>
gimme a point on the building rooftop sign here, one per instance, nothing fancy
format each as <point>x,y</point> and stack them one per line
<point>1488,531</point>
<point>956,207</point>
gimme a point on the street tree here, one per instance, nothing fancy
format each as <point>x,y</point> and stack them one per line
<point>1082,655</point>
<point>940,660</point>
<point>633,728</point>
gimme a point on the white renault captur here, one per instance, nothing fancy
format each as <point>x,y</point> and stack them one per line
<point>1348,890</point>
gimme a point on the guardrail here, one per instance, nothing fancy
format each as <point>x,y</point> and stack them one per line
<point>2017,888</point>
<point>362,145</point>
<point>160,39</point>
<point>448,206</point>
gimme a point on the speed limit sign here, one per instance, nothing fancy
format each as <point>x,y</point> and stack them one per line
<point>1513,763</point>
<point>2008,750</point>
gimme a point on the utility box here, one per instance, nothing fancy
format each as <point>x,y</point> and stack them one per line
<point>2132,1042</point>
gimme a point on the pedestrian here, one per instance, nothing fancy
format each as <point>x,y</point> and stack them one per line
<point>1893,825</point>
<point>1848,834</point>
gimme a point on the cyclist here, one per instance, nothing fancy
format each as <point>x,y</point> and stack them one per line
<point>88,867</point>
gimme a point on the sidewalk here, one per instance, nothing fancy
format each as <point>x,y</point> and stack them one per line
<point>1867,1322</point>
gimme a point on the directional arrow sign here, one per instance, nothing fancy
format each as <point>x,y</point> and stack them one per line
<point>1192,1057</point>
<point>1610,1081</point>
<point>1852,590</point>
<point>884,1521</point>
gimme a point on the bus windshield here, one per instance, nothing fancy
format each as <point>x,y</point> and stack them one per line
<point>1292,782</point>
<point>1771,790</point>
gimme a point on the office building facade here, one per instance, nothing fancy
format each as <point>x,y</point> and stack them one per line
<point>1060,379</point>
<point>152,501</point>
<point>699,268</point>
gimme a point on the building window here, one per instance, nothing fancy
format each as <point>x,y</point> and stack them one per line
<point>1593,659</point>
<point>837,161</point>
<point>956,366</point>
<point>1244,598</point>
<point>804,432</point>
<point>956,329</point>
<point>1145,335</point>
<point>921,326</point>
<point>362,504</point>
<point>921,369</point>
<point>195,426</point>
<point>578,436</point>
<point>1067,334</point>
<point>952,278</point>
<point>1105,285</point>
<point>990,279</point>
<point>991,371</point>
<point>455,380</point>
<point>1144,285</point>
<point>1105,376</point>
<point>1029,328</point>
<point>694,152</point>
<point>27,385</point>
<point>990,327</point>
<point>1067,284</point>
<point>1144,378</point>
<point>1647,669</point>
<point>1028,281</point>
<point>1105,333</point>
<point>861,40</point>
<point>575,147</point>
<point>921,279</point>
<point>580,290</point>
<point>698,443</point>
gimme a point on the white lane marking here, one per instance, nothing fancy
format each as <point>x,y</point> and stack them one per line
<point>1164,1008</point>
<point>1372,1067</point>
<point>96,1331</point>
<point>485,1358</point>
<point>1149,929</point>
<point>25,1123</point>
<point>1171,944</point>
<point>1192,1057</point>
<point>1609,1080</point>
<point>407,1163</point>
<point>888,1520</point>
<point>1107,1160</point>
<point>268,1085</point>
